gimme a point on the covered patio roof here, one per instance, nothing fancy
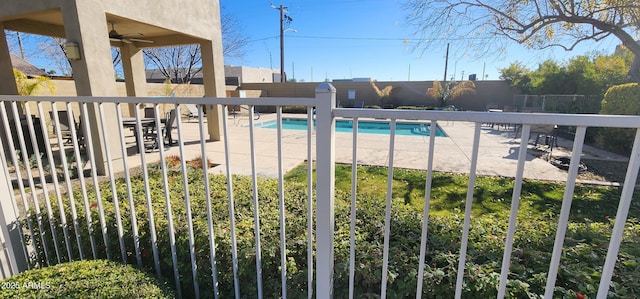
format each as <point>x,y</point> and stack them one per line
<point>89,24</point>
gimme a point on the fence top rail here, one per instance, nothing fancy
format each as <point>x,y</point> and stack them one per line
<point>265,101</point>
<point>589,120</point>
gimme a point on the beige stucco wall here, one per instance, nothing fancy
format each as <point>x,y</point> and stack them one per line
<point>404,93</point>
<point>158,13</point>
<point>171,14</point>
<point>249,74</point>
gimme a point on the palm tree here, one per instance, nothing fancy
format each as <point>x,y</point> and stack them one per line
<point>451,90</point>
<point>383,94</point>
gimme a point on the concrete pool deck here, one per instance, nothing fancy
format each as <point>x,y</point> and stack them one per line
<point>498,151</point>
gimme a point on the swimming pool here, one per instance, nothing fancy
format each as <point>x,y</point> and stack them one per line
<point>367,127</point>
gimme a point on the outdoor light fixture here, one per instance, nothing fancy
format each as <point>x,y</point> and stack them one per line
<point>73,51</point>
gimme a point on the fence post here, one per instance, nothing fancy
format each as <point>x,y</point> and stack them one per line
<point>13,260</point>
<point>325,179</point>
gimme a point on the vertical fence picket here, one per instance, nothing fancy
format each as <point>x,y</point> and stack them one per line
<point>67,178</point>
<point>621,217</point>
<point>256,209</point>
<point>232,213</point>
<point>187,201</point>
<point>43,179</point>
<point>563,220</point>
<point>387,213</point>
<point>207,191</point>
<point>147,193</point>
<point>54,178</point>
<point>281,207</point>
<point>127,178</point>
<point>83,186</point>
<point>159,140</point>
<point>467,209</point>
<point>354,190</point>
<point>94,176</point>
<point>16,164</point>
<point>114,193</point>
<point>310,128</point>
<point>427,202</point>
<point>18,259</point>
<point>515,204</point>
<point>32,186</point>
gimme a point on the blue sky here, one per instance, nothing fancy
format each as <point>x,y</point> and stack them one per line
<point>340,39</point>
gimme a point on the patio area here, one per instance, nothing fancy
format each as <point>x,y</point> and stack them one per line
<point>498,150</point>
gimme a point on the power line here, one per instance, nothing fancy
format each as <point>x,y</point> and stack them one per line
<point>374,38</point>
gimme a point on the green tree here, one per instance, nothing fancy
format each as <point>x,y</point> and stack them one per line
<point>449,91</point>
<point>536,24</point>
<point>583,75</point>
<point>611,69</point>
<point>550,78</point>
<point>518,77</point>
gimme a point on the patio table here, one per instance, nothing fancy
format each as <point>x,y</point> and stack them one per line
<point>130,123</point>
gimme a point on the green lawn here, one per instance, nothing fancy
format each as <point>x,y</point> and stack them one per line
<point>492,195</point>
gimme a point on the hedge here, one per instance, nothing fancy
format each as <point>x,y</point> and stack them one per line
<point>580,264</point>
<point>620,100</point>
<point>85,279</point>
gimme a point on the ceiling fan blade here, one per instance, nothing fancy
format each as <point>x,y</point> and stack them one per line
<point>114,39</point>
<point>141,40</point>
<point>132,34</point>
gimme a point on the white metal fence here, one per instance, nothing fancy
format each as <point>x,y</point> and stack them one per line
<point>23,215</point>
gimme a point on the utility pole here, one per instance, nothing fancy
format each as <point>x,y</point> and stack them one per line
<point>484,66</point>
<point>284,17</point>
<point>20,45</point>
<point>446,63</point>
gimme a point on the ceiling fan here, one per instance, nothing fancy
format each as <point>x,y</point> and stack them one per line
<point>127,37</point>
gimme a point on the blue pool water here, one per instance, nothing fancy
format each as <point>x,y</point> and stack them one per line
<point>368,127</point>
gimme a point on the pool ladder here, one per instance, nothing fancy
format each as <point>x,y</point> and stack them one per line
<point>235,112</point>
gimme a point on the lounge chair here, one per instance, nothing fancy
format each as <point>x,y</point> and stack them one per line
<point>192,111</point>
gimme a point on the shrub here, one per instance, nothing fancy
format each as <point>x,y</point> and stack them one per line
<point>532,245</point>
<point>372,107</point>
<point>622,100</point>
<point>415,108</point>
<point>85,279</point>
<point>294,109</point>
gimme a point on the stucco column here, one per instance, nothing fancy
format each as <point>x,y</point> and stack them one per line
<point>213,78</point>
<point>8,85</point>
<point>135,78</point>
<point>85,23</point>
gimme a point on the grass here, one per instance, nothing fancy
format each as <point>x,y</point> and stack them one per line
<point>492,195</point>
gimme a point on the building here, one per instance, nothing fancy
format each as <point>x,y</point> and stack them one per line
<point>234,75</point>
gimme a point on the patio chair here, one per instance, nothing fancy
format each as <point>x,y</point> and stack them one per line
<point>153,136</point>
<point>65,129</point>
<point>192,111</point>
<point>548,132</point>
